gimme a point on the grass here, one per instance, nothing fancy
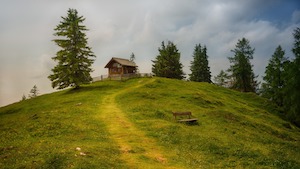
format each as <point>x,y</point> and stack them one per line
<point>137,149</point>
<point>44,132</point>
<point>234,129</point>
<point>129,125</point>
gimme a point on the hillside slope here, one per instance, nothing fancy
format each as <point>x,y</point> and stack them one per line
<point>114,124</point>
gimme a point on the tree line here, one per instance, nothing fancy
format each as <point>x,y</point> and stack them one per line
<point>241,77</point>
<point>281,81</point>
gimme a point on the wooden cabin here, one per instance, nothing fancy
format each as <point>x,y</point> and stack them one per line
<point>119,67</point>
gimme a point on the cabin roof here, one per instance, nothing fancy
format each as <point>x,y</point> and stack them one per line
<point>121,61</point>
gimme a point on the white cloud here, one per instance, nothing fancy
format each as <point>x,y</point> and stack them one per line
<point>296,17</point>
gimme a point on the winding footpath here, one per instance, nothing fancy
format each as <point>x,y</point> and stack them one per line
<point>137,150</point>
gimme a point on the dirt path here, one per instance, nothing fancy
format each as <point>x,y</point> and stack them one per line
<point>138,151</point>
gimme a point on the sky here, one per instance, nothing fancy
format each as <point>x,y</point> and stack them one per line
<point>117,28</point>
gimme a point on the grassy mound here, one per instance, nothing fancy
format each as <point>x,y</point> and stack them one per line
<point>234,129</point>
<point>63,129</point>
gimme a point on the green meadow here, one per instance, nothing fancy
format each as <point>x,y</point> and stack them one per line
<point>129,124</point>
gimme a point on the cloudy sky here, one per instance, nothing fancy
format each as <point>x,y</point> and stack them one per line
<point>118,27</point>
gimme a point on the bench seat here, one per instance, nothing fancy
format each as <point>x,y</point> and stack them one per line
<point>187,119</point>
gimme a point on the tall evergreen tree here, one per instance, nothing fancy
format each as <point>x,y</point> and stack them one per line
<point>167,63</point>
<point>199,66</point>
<point>241,68</point>
<point>275,82</point>
<point>75,57</point>
<point>292,95</point>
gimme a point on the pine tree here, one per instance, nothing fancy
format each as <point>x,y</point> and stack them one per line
<point>199,66</point>
<point>275,82</point>
<point>292,94</point>
<point>167,63</point>
<point>132,57</point>
<point>222,79</point>
<point>241,68</point>
<point>74,59</point>
<point>23,97</point>
<point>33,92</point>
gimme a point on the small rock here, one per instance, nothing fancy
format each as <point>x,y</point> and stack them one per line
<point>161,159</point>
<point>82,154</point>
<point>78,148</point>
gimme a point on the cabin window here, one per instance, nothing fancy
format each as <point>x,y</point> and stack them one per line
<point>117,65</point>
<point>116,70</point>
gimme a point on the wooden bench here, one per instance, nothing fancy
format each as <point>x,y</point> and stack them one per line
<point>187,114</point>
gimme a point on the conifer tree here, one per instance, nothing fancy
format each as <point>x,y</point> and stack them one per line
<point>75,57</point>
<point>221,79</point>
<point>23,97</point>
<point>275,82</point>
<point>199,66</point>
<point>292,94</point>
<point>132,57</point>
<point>33,92</point>
<point>167,63</point>
<point>241,68</point>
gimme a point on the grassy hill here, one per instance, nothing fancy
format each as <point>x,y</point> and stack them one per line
<point>113,124</point>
